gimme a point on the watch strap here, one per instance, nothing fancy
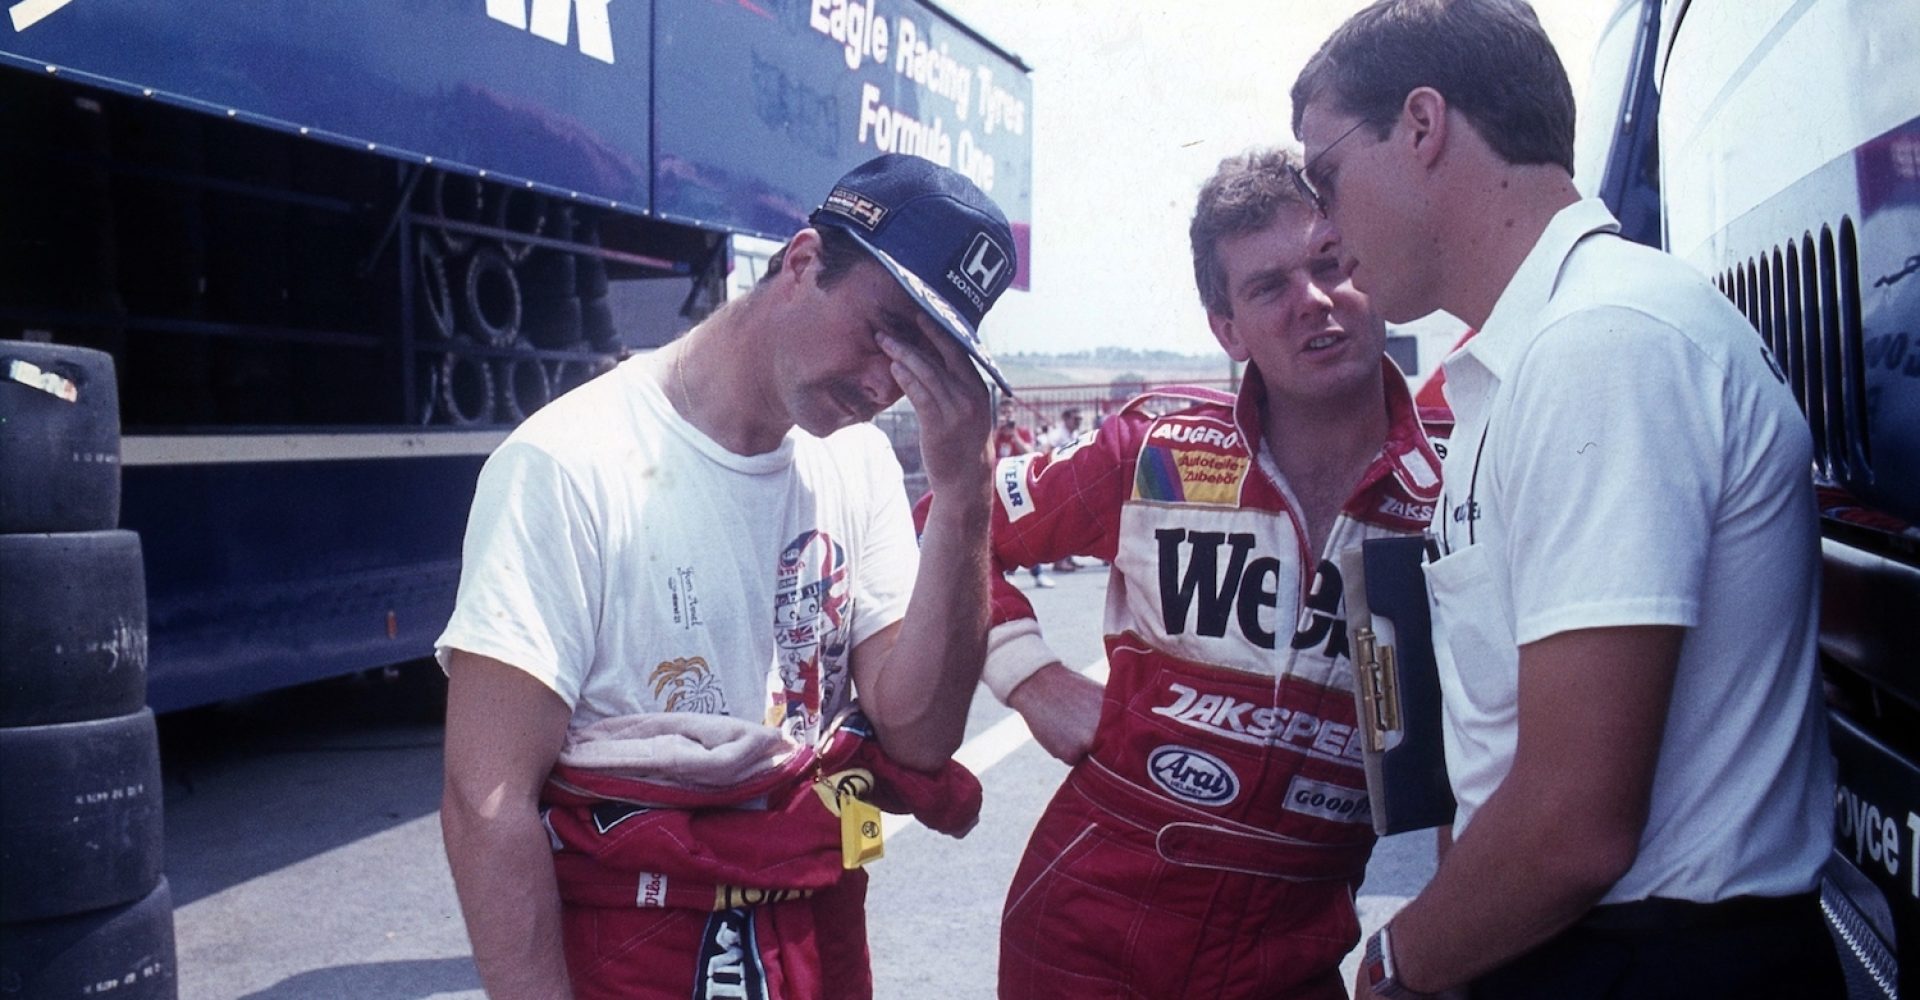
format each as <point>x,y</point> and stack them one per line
<point>1382,975</point>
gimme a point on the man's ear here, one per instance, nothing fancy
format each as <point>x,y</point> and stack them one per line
<point>1424,115</point>
<point>802,262</point>
<point>1228,336</point>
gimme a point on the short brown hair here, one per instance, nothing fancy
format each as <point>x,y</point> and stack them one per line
<point>1488,58</point>
<point>839,253</point>
<point>1243,196</point>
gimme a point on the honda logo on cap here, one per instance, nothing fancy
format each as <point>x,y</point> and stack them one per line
<point>984,262</point>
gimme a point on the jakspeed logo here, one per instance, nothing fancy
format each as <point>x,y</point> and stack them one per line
<point>1193,776</point>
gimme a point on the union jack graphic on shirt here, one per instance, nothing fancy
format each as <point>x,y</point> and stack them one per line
<point>811,616</point>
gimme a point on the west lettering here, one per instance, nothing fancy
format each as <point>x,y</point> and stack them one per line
<point>1259,589</point>
<point>1319,620</point>
<point>1237,590</point>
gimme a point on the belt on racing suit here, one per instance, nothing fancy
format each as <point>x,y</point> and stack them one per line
<point>1184,835</point>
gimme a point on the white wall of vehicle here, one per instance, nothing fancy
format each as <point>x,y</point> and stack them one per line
<point>1756,94</point>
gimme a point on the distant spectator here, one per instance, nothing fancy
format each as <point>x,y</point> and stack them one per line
<point>1061,437</point>
<point>1009,438</point>
<point>1070,428</point>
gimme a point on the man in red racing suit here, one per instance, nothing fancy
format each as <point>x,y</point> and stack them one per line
<point>1213,829</point>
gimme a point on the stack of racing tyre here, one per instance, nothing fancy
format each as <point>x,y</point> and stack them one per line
<point>505,296</point>
<point>84,908</point>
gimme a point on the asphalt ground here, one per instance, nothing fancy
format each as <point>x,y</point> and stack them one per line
<point>304,852</point>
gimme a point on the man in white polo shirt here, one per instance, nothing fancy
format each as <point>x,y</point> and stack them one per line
<point>1625,594</point>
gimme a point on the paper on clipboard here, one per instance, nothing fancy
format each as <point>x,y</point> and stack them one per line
<point>1396,685</point>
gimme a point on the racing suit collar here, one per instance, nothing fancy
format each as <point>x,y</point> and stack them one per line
<point>1406,454</point>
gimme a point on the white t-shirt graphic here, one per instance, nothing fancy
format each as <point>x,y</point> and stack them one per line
<point>632,564</point>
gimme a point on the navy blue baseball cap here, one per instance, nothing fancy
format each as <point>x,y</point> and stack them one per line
<point>941,237</point>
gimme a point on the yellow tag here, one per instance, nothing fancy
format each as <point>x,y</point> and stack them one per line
<point>859,832</point>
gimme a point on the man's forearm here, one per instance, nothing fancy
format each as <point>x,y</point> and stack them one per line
<point>1524,871</point>
<point>1062,709</point>
<point>1566,821</point>
<point>503,871</point>
<point>920,699</point>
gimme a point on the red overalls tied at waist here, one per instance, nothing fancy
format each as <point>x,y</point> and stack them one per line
<point>749,890</point>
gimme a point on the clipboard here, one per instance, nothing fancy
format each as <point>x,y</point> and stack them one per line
<point>1396,689</point>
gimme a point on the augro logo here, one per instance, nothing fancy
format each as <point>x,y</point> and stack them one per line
<point>1193,776</point>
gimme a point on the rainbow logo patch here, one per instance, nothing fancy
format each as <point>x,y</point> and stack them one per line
<point>1189,475</point>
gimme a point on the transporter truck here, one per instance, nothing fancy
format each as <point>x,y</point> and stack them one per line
<point>1775,145</point>
<point>337,250</point>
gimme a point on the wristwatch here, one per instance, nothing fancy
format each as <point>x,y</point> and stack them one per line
<point>1377,966</point>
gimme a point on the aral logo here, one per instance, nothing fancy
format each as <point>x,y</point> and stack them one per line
<point>1192,776</point>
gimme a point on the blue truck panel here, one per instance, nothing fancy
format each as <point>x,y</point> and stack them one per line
<point>764,104</point>
<point>337,249</point>
<point>557,95</point>
<point>758,107</point>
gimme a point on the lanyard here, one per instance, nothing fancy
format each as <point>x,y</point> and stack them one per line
<point>1472,505</point>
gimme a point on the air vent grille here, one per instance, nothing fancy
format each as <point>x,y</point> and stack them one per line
<point>1803,298</point>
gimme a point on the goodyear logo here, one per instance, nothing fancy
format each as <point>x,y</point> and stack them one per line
<point>1328,801</point>
<point>1010,484</point>
<point>1193,776</point>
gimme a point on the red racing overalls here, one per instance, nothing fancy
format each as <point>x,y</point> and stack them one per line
<point>1210,843</point>
<point>737,893</point>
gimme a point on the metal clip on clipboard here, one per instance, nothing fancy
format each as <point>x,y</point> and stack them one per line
<point>1374,671</point>
<point>1396,685</point>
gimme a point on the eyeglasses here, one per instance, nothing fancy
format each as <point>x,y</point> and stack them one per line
<point>1299,174</point>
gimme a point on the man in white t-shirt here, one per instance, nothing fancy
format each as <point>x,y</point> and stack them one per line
<point>686,568</point>
<point>1625,591</point>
